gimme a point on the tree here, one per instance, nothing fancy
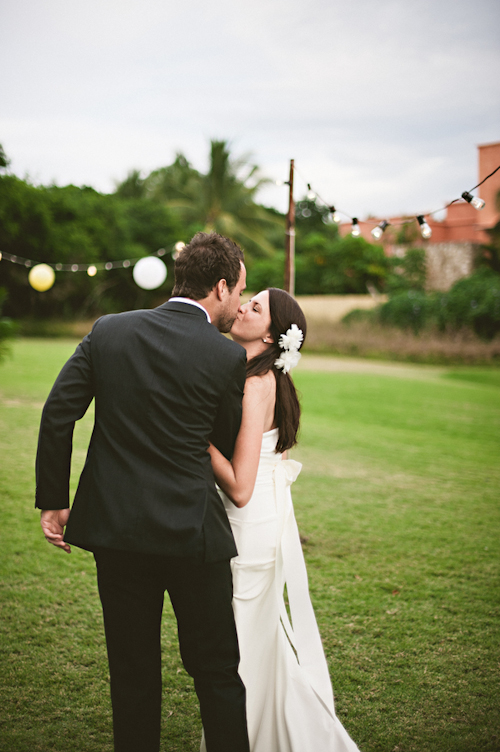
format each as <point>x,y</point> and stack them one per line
<point>408,272</point>
<point>223,200</point>
<point>78,225</point>
<point>177,181</point>
<point>132,187</point>
<point>328,264</point>
<point>7,328</point>
<point>4,162</point>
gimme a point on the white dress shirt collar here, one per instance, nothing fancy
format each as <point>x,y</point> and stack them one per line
<point>191,302</point>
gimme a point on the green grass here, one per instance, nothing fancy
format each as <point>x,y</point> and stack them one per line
<point>398,502</point>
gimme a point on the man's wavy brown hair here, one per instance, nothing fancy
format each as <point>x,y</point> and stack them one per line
<point>208,258</point>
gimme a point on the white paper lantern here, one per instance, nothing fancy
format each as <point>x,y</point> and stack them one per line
<point>149,273</point>
<point>41,277</point>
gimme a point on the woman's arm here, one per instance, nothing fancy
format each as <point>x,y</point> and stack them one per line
<point>237,478</point>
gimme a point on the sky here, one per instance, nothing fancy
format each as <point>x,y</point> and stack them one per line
<point>380,103</point>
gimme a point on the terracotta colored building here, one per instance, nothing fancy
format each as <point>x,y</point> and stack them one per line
<point>463,223</point>
<point>450,250</point>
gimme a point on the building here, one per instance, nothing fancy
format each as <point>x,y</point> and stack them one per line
<point>455,239</point>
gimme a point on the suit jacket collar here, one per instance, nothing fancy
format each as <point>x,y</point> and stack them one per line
<point>184,308</point>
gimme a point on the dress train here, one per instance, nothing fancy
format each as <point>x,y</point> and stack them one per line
<point>290,705</point>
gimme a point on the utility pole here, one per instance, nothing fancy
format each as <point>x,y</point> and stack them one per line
<point>290,239</point>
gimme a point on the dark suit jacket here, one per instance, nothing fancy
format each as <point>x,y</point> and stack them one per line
<point>165,382</point>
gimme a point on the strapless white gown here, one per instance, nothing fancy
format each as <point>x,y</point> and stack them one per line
<point>290,705</point>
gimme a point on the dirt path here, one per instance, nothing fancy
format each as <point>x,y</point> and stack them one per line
<point>360,365</point>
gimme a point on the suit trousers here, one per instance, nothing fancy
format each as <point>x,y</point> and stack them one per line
<point>131,588</point>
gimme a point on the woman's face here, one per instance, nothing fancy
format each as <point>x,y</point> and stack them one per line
<point>254,320</point>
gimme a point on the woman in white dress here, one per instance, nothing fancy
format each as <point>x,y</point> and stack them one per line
<point>290,705</point>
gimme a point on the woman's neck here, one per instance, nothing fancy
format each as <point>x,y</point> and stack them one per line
<point>253,348</point>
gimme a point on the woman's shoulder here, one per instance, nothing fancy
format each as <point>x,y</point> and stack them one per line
<point>262,385</point>
<point>259,389</point>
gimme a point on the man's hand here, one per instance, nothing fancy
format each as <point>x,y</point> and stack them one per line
<point>53,522</point>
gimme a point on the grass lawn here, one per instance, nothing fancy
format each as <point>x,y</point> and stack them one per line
<point>398,506</point>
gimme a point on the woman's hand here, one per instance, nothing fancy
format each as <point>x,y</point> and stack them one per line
<point>237,478</point>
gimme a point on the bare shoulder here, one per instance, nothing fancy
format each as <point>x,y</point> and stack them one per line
<point>259,401</point>
<point>261,386</point>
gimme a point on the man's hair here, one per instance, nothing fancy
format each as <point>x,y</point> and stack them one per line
<point>208,258</point>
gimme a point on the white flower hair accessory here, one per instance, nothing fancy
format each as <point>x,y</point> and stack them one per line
<point>290,344</point>
<point>292,340</point>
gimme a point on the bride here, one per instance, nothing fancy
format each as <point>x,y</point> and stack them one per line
<point>290,705</point>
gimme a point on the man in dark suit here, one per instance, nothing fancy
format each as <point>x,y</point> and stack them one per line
<point>165,383</point>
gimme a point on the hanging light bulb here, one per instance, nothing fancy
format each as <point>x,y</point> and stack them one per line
<point>424,227</point>
<point>92,270</point>
<point>335,215</point>
<point>379,230</point>
<point>178,248</point>
<point>310,193</point>
<point>475,201</point>
<point>356,229</point>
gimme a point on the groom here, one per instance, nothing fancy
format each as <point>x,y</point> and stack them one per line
<point>165,383</point>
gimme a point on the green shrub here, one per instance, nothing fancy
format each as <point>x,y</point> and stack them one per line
<point>473,302</point>
<point>408,310</point>
<point>409,272</point>
<point>361,314</point>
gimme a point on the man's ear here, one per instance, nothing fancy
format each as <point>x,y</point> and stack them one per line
<point>221,289</point>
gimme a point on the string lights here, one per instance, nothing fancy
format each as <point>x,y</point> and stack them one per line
<point>335,215</point>
<point>149,272</point>
<point>424,227</point>
<point>310,193</point>
<point>378,231</point>
<point>475,201</point>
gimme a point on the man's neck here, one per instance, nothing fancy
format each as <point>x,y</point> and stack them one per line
<point>212,307</point>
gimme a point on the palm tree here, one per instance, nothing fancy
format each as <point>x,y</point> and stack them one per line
<point>223,200</point>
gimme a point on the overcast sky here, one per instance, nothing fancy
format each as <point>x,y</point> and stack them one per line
<point>381,103</point>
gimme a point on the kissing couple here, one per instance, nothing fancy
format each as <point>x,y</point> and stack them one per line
<point>180,408</point>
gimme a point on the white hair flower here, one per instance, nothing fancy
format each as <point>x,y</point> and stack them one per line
<point>287,360</point>
<point>292,340</point>
<point>289,344</point>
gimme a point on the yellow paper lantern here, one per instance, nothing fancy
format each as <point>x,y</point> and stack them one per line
<point>41,277</point>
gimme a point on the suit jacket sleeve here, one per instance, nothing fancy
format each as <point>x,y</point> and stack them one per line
<point>67,402</point>
<point>228,418</point>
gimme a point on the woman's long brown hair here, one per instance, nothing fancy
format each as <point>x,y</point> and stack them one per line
<point>285,311</point>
